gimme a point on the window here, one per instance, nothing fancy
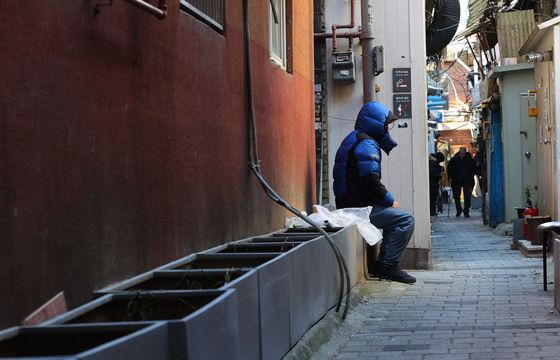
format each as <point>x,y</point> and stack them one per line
<point>278,33</point>
<point>210,11</point>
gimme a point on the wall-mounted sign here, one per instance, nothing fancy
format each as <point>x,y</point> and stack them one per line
<point>402,105</point>
<point>401,80</point>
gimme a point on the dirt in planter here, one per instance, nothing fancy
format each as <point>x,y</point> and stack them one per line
<point>188,281</point>
<point>144,306</point>
<point>260,248</point>
<point>226,263</point>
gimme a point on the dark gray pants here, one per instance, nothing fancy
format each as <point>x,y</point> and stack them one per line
<point>397,226</point>
<point>467,191</point>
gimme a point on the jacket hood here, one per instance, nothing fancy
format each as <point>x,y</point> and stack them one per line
<point>371,120</point>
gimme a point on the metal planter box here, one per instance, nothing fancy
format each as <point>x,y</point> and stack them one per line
<point>274,304</point>
<point>201,324</point>
<point>272,294</point>
<point>245,282</point>
<point>89,342</point>
<point>308,287</point>
<point>351,246</point>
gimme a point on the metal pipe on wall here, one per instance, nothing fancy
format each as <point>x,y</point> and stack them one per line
<point>334,35</point>
<point>160,11</point>
<point>347,35</point>
<point>346,26</point>
<point>367,41</point>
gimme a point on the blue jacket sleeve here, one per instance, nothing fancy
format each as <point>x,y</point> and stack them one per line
<point>368,159</point>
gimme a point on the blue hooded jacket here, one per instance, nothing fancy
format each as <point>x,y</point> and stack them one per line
<point>357,169</point>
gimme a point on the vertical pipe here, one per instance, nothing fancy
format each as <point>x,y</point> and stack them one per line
<point>476,59</point>
<point>367,50</point>
<point>545,237</point>
<point>556,120</point>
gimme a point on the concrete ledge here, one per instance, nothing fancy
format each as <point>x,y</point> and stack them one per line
<point>418,259</point>
<point>529,250</point>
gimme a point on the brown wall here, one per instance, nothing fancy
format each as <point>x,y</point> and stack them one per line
<point>123,141</point>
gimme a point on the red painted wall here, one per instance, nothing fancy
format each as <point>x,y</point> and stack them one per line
<point>123,141</point>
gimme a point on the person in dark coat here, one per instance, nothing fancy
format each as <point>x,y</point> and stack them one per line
<point>357,183</point>
<point>435,170</point>
<point>461,171</point>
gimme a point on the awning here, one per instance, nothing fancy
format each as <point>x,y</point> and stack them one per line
<point>537,35</point>
<point>477,17</point>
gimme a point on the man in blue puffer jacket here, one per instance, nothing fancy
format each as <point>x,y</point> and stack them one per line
<point>357,183</point>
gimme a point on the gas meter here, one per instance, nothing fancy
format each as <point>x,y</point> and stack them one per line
<point>532,103</point>
<point>343,67</point>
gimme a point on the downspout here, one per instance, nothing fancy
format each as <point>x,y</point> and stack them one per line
<point>556,68</point>
<point>160,11</point>
<point>367,50</point>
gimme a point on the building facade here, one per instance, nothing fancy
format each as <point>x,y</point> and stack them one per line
<point>124,137</point>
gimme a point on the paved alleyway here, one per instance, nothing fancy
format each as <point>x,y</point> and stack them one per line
<point>480,301</point>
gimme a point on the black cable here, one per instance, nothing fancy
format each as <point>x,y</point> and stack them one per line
<point>254,163</point>
<point>340,259</point>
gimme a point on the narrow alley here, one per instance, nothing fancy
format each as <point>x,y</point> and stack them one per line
<point>480,301</point>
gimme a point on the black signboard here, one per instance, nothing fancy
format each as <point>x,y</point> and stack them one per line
<point>402,105</point>
<point>401,80</point>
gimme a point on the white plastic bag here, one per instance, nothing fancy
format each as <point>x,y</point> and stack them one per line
<point>342,218</point>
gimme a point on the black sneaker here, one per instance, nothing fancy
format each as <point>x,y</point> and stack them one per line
<point>466,214</point>
<point>459,212</point>
<point>393,272</point>
<point>373,267</point>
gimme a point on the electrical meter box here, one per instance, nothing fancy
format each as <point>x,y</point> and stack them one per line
<point>343,67</point>
<point>532,103</point>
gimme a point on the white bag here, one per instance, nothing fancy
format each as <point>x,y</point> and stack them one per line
<point>342,218</point>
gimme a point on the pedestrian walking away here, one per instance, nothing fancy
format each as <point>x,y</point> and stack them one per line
<point>435,170</point>
<point>357,183</point>
<point>461,171</point>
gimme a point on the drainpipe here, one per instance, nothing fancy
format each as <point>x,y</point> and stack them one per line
<point>367,50</point>
<point>160,11</point>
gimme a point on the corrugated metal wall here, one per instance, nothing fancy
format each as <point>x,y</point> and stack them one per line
<point>513,29</point>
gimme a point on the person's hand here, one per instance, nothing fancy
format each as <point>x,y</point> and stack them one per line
<point>395,204</point>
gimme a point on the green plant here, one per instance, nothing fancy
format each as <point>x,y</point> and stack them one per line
<point>528,194</point>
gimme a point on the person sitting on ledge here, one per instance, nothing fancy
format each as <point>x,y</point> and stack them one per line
<point>357,183</point>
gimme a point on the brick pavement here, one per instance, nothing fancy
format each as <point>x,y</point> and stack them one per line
<point>480,301</point>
